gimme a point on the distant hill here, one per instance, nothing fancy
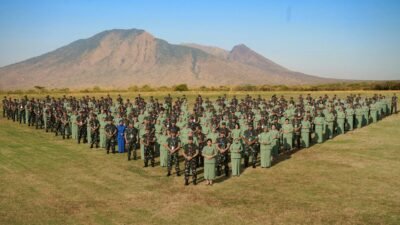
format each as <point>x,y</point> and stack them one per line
<point>121,58</point>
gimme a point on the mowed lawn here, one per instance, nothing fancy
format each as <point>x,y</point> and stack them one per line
<point>353,179</point>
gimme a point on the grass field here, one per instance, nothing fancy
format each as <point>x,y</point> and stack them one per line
<point>353,179</point>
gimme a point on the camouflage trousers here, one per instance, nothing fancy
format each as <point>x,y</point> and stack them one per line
<point>39,122</point>
<point>252,151</point>
<point>149,155</point>
<point>110,144</point>
<point>191,165</point>
<point>173,159</point>
<point>95,138</point>
<point>223,161</point>
<point>65,131</point>
<point>131,147</point>
<point>82,133</point>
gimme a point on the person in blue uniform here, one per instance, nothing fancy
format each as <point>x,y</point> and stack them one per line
<point>121,137</point>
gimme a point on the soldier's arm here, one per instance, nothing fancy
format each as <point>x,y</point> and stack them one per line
<point>196,154</point>
<point>184,155</point>
<point>227,147</point>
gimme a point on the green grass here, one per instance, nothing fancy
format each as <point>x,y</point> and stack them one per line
<point>353,179</point>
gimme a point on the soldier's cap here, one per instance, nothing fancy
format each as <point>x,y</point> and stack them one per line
<point>223,123</point>
<point>190,138</point>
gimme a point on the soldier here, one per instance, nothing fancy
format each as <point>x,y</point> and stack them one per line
<point>250,138</point>
<point>297,131</point>
<point>374,112</point>
<point>393,109</point>
<point>265,140</point>
<point>222,159</point>
<point>148,141</point>
<point>173,145</point>
<point>200,136</point>
<point>131,138</point>
<point>365,110</point>
<point>359,116</point>
<point>82,124</point>
<point>65,128</point>
<point>350,117</point>
<point>21,112</point>
<point>111,133</point>
<point>329,121</point>
<point>190,152</point>
<point>5,103</point>
<point>341,117</point>
<point>305,132</point>
<point>319,127</point>
<point>275,140</point>
<point>287,133</point>
<point>94,131</point>
<point>38,117</point>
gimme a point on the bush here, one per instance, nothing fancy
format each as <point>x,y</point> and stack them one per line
<point>146,88</point>
<point>181,87</point>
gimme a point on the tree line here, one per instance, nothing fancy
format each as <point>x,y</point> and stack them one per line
<point>343,86</point>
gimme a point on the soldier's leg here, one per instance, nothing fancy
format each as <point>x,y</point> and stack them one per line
<point>226,166</point>
<point>169,163</point>
<point>92,139</point>
<point>80,136</point>
<point>63,129</point>
<point>130,147</point>
<point>68,131</point>
<point>146,155</point>
<point>187,171</point>
<point>254,156</point>
<point>108,145</point>
<point>112,144</point>
<point>246,156</point>
<point>194,171</point>
<point>177,169</point>
<point>135,147</point>
<point>84,135</point>
<point>152,149</point>
<point>219,164</point>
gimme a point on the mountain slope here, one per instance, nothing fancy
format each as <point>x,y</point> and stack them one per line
<point>121,58</point>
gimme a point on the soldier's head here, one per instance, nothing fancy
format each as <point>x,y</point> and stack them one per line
<point>209,142</point>
<point>222,134</point>
<point>173,133</point>
<point>147,130</point>
<point>273,127</point>
<point>131,124</point>
<point>286,121</point>
<point>190,140</point>
<point>251,127</point>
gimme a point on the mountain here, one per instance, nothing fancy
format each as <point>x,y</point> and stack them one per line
<point>122,58</point>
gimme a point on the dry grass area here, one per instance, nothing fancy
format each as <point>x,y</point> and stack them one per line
<point>352,179</point>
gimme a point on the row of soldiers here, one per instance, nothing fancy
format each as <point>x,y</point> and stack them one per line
<point>238,129</point>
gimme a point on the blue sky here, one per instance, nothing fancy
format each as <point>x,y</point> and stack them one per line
<point>357,39</point>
